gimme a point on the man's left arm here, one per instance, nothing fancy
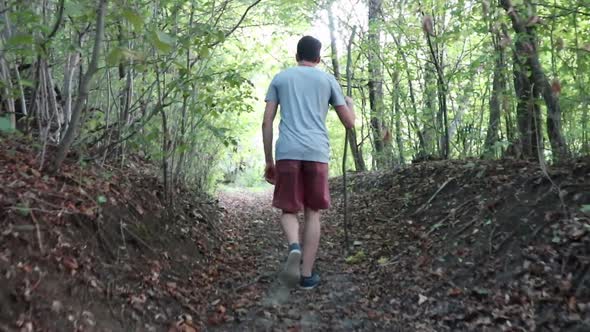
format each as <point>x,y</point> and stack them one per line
<point>270,113</point>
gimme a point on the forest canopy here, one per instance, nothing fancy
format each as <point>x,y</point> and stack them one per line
<point>182,83</point>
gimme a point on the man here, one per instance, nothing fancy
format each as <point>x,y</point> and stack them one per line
<point>300,175</point>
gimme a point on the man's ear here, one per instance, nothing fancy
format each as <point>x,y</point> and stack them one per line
<point>318,59</point>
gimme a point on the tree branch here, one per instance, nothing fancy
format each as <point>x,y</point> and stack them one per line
<point>58,22</point>
<point>74,125</point>
<point>565,9</point>
<point>239,22</point>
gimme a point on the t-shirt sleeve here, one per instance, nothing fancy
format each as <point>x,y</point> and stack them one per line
<point>336,95</point>
<point>273,92</point>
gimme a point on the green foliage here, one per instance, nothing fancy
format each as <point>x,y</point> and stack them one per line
<point>23,209</point>
<point>196,83</point>
<point>134,18</point>
<point>6,125</point>
<point>357,258</point>
<point>101,199</point>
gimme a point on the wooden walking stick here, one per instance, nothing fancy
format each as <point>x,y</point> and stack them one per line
<point>348,133</point>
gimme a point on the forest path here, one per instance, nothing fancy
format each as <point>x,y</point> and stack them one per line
<point>262,304</point>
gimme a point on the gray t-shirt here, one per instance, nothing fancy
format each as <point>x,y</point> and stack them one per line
<point>304,94</point>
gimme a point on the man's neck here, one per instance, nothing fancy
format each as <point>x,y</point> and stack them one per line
<point>305,63</point>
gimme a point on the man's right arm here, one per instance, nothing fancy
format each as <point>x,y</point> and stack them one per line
<point>346,113</point>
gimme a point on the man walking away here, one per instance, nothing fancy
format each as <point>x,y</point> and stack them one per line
<point>302,153</point>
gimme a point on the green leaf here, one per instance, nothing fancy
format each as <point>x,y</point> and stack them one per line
<point>481,291</point>
<point>20,40</point>
<point>6,125</point>
<point>220,36</point>
<point>165,38</point>
<point>182,148</point>
<point>161,41</point>
<point>27,83</point>
<point>74,9</point>
<point>133,55</point>
<point>356,258</point>
<point>220,133</point>
<point>101,199</point>
<point>120,53</point>
<point>135,19</point>
<point>114,56</point>
<point>23,210</point>
<point>585,208</point>
<point>204,52</point>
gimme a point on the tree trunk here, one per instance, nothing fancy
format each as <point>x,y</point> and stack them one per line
<point>357,156</point>
<point>71,133</point>
<point>527,110</point>
<point>430,129</point>
<point>355,148</point>
<point>332,27</point>
<point>441,89</point>
<point>376,81</point>
<point>8,100</point>
<point>399,141</point>
<point>496,99</point>
<point>526,47</point>
<point>422,143</point>
<point>69,72</point>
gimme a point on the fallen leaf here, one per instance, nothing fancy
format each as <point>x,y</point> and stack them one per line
<point>483,321</point>
<point>70,263</point>
<point>422,299</point>
<point>216,319</point>
<point>454,292</point>
<point>571,303</point>
<point>221,309</point>
<point>137,299</point>
<point>481,291</point>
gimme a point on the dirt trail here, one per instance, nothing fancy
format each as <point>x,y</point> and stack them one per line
<point>337,304</point>
<point>447,246</point>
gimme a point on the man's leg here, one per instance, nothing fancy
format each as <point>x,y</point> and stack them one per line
<point>290,227</point>
<point>316,198</point>
<point>288,197</point>
<point>291,273</point>
<point>311,240</point>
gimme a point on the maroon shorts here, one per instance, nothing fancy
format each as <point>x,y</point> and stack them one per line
<point>300,184</point>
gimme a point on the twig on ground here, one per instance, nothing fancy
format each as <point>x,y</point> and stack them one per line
<point>19,208</point>
<point>121,226</point>
<point>439,224</point>
<point>466,227</point>
<point>581,280</point>
<point>490,243</point>
<point>509,237</point>
<point>255,281</point>
<point>41,247</point>
<point>433,196</point>
<point>540,228</point>
<point>139,240</point>
<point>395,259</point>
<point>543,166</point>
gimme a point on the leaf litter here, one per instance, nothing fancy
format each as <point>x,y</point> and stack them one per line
<point>439,246</point>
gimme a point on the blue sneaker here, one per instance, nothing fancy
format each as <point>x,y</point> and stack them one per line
<point>291,274</point>
<point>309,282</point>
